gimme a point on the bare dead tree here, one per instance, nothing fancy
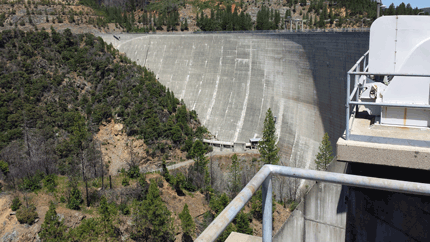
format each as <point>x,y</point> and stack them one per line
<point>101,165</point>
<point>93,157</point>
<point>12,154</point>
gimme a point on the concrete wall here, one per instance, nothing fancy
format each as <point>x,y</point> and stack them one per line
<point>375,215</point>
<point>321,216</point>
<point>387,216</point>
<point>232,79</point>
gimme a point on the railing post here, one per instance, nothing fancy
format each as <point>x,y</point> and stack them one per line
<point>267,209</point>
<point>348,80</point>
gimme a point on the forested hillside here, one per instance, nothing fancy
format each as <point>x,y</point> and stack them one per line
<point>56,89</point>
<point>191,15</point>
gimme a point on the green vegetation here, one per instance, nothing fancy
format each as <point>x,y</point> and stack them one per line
<point>224,20</point>
<point>156,15</point>
<point>187,222</point>
<point>53,229</point>
<point>58,88</point>
<point>16,204</point>
<point>268,19</point>
<point>402,9</point>
<point>293,205</point>
<point>268,146</point>
<point>242,223</point>
<point>74,199</point>
<point>324,156</point>
<point>27,214</point>
<point>50,182</point>
<point>4,167</point>
<point>218,203</point>
<point>235,184</point>
<point>151,218</point>
<point>230,228</point>
<point>257,205</point>
<point>106,218</point>
<point>198,174</point>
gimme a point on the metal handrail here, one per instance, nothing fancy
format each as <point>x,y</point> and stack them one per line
<point>361,67</point>
<point>263,177</point>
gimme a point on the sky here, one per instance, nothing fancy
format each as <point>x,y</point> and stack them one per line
<point>414,3</point>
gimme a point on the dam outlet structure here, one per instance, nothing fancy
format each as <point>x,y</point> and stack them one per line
<point>231,80</point>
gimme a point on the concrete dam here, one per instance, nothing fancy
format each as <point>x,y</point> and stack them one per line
<point>232,79</point>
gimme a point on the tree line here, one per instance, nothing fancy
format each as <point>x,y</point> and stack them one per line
<point>224,20</point>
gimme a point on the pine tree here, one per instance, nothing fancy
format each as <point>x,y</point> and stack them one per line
<point>52,228</point>
<point>187,222</point>
<point>218,203</point>
<point>74,200</point>
<point>242,223</point>
<point>267,146</point>
<point>152,218</point>
<point>324,156</point>
<point>230,228</point>
<point>106,217</point>
<point>234,186</point>
<point>201,161</point>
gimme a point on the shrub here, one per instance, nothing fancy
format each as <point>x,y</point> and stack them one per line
<point>62,199</point>
<point>4,167</point>
<point>32,183</point>
<point>16,203</point>
<point>27,215</point>
<point>125,181</point>
<point>124,209</point>
<point>50,182</point>
<point>75,199</point>
<point>293,206</point>
<point>133,172</point>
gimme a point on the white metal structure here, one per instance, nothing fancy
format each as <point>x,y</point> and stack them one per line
<point>398,44</point>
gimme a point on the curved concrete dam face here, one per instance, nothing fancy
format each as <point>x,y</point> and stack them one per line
<point>232,79</point>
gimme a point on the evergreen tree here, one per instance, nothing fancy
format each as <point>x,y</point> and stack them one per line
<point>234,185</point>
<point>267,146</point>
<point>16,204</point>
<point>152,218</point>
<point>324,156</point>
<point>74,200</point>
<point>187,222</point>
<point>218,203</point>
<point>52,228</point>
<point>242,223</point>
<point>230,228</point>
<point>106,217</point>
<point>201,161</point>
